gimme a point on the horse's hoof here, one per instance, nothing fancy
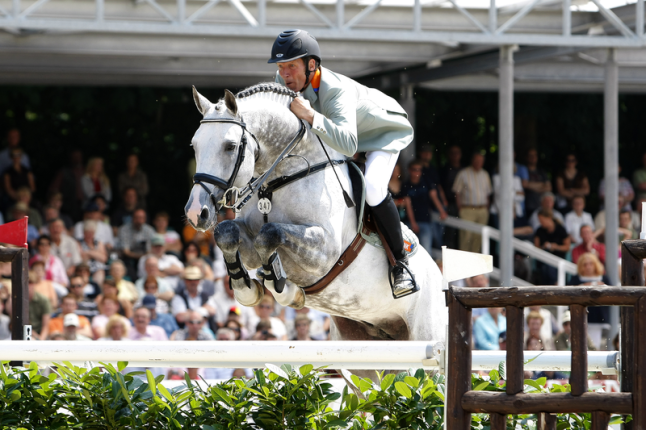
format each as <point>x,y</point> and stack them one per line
<point>261,293</point>
<point>299,300</point>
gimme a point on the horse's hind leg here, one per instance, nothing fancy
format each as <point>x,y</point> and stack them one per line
<point>234,242</point>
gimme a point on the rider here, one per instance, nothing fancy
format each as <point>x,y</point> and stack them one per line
<point>350,118</point>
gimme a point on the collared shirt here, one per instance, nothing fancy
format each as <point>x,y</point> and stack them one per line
<point>486,332</point>
<point>136,240</point>
<point>178,305</point>
<point>183,335</point>
<point>473,187</point>
<point>162,285</point>
<point>574,222</point>
<point>68,251</point>
<point>152,333</point>
<point>164,262</point>
<point>103,233</point>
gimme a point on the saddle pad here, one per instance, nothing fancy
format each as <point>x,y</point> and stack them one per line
<point>411,242</point>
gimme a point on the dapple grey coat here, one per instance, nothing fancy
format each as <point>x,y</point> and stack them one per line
<point>353,118</point>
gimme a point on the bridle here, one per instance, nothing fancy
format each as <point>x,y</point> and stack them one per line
<point>234,197</point>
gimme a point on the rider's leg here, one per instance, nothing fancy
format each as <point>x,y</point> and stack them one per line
<point>379,168</point>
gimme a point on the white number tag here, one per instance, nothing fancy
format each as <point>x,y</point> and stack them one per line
<point>264,206</point>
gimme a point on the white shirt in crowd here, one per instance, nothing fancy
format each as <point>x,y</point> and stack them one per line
<point>102,234</point>
<point>68,251</point>
<point>519,195</point>
<point>221,302</point>
<point>178,305</point>
<point>573,224</point>
<point>165,261</point>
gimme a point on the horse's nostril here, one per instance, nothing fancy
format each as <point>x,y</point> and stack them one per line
<point>205,213</point>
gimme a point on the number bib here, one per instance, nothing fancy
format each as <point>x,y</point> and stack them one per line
<point>264,206</point>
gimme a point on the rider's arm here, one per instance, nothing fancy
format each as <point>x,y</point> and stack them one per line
<point>338,127</point>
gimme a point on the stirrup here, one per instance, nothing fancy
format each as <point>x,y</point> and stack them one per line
<point>274,271</point>
<point>241,271</point>
<point>403,265</point>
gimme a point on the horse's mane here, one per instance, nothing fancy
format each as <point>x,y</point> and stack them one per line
<point>271,91</point>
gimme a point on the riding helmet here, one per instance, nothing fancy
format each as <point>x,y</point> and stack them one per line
<point>293,44</point>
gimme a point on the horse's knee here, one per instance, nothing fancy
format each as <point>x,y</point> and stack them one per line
<point>269,239</point>
<point>227,236</point>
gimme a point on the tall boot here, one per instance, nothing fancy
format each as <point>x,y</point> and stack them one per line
<point>401,277</point>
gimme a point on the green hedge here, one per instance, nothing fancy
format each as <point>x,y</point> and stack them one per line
<point>275,398</point>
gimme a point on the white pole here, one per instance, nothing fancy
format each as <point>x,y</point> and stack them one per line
<point>642,235</point>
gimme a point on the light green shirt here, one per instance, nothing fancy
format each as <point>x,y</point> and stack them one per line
<point>352,118</point>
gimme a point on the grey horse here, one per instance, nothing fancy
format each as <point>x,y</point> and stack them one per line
<point>309,225</point>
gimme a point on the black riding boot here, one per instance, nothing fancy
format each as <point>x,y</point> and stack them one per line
<point>387,219</point>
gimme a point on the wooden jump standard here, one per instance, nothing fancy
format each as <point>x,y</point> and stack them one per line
<point>461,401</point>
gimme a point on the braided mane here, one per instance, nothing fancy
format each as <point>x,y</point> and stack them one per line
<point>268,91</point>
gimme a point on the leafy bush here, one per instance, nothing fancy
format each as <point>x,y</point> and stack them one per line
<point>275,398</point>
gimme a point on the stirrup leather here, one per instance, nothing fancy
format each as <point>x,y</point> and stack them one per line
<point>403,265</point>
<point>241,271</point>
<point>274,271</point>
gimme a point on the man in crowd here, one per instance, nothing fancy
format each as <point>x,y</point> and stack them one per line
<point>143,330</point>
<point>192,298</point>
<point>103,231</point>
<point>589,244</point>
<point>69,306</point>
<point>134,241</point>
<point>472,188</point>
<point>13,141</point>
<point>170,268</point>
<point>63,246</point>
<point>71,326</point>
<point>562,340</point>
<point>547,203</point>
<point>165,290</point>
<point>84,306</point>
<point>447,178</point>
<point>577,218</point>
<point>39,311</point>
<point>123,214</point>
<point>165,321</point>
<point>438,198</point>
<point>537,184</point>
<point>134,178</point>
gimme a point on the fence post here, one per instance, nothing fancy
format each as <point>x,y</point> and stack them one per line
<point>19,292</point>
<point>578,340</point>
<point>459,365</point>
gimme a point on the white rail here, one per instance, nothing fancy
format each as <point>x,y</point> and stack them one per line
<point>390,355</point>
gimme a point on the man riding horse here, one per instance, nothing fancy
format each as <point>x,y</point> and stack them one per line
<point>351,118</point>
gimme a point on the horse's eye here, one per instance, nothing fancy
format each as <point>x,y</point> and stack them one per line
<point>230,147</point>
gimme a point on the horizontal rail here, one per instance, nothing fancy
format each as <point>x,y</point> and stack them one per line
<point>503,403</point>
<point>547,296</point>
<point>606,362</point>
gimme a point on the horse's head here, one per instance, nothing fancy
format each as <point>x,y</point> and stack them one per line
<point>218,145</point>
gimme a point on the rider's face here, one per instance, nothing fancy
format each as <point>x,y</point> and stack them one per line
<point>293,73</point>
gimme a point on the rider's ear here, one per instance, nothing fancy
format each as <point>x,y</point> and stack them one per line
<point>203,105</point>
<point>230,102</point>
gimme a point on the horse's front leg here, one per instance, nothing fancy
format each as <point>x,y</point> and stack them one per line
<point>306,245</point>
<point>236,245</point>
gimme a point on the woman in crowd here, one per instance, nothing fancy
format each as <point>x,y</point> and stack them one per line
<point>109,306</point>
<point>44,286</point>
<point>192,256</point>
<point>95,181</point>
<point>127,290</point>
<point>264,310</point>
<point>109,289</point>
<point>237,328</point>
<point>570,183</point>
<point>172,240</point>
<point>590,272</point>
<point>93,252</point>
<point>302,325</point>
<point>552,237</point>
<point>54,267</point>
<point>116,329</point>
<point>152,287</point>
<point>17,176</point>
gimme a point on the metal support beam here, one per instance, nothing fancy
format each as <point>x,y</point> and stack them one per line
<point>639,18</point>
<point>493,17</point>
<point>262,13</point>
<point>506,163</point>
<point>181,11</point>
<point>340,19</point>
<point>611,162</point>
<point>567,18</point>
<point>361,15</point>
<point>15,8</point>
<point>417,15</point>
<point>100,10</point>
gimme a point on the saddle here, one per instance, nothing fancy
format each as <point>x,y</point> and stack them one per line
<point>367,232</point>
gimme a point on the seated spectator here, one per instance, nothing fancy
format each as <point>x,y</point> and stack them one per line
<point>45,287</point>
<point>194,328</point>
<point>95,181</point>
<point>19,211</point>
<point>143,330</point>
<point>52,213</point>
<point>263,331</point>
<point>171,238</point>
<point>319,322</point>
<point>223,300</point>
<point>588,245</point>
<point>625,191</point>
<point>626,230</point>
<point>33,210</point>
<point>124,213</point>
<point>302,324</point>
<point>534,323</point>
<point>17,176</point>
<point>163,320</point>
<point>238,330</point>
<point>562,340</point>
<point>165,290</point>
<point>69,306</point>
<point>203,239</point>
<point>487,329</point>
<point>71,326</point>
<point>109,306</point>
<point>134,178</point>
<point>93,252</point>
<point>577,218</point>
<point>109,289</point>
<point>116,329</point>
<point>551,237</point>
<point>170,268</point>
<point>64,246</point>
<point>92,289</point>
<point>103,232</point>
<point>547,204</point>
<point>590,272</point>
<point>417,200</point>
<point>549,327</point>
<point>192,298</point>
<point>600,219</point>
<point>102,204</point>
<point>5,333</point>
<point>151,287</point>
<point>518,198</point>
<point>13,141</point>
<point>84,305</point>
<point>127,290</point>
<point>570,183</point>
<point>265,309</point>
<point>192,256</point>
<point>134,241</point>
<point>39,311</point>
<point>54,267</point>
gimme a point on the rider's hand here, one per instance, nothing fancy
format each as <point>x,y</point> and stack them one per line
<point>302,109</point>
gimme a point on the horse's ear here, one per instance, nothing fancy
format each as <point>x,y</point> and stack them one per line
<point>230,102</point>
<point>202,103</point>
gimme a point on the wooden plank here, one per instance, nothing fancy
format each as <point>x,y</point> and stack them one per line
<point>578,340</point>
<point>639,391</point>
<point>7,254</point>
<point>547,296</point>
<point>514,377</point>
<point>19,293</point>
<point>600,421</point>
<point>546,421</point>
<point>498,422</point>
<point>458,374</point>
<point>490,402</point>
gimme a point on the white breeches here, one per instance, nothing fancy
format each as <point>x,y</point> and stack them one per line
<point>379,169</point>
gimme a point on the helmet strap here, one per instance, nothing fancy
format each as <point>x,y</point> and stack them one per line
<point>308,72</point>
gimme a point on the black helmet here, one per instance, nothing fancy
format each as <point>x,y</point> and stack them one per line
<point>293,44</point>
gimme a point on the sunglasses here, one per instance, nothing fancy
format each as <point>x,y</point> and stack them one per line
<point>265,307</point>
<point>76,285</point>
<point>194,322</point>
